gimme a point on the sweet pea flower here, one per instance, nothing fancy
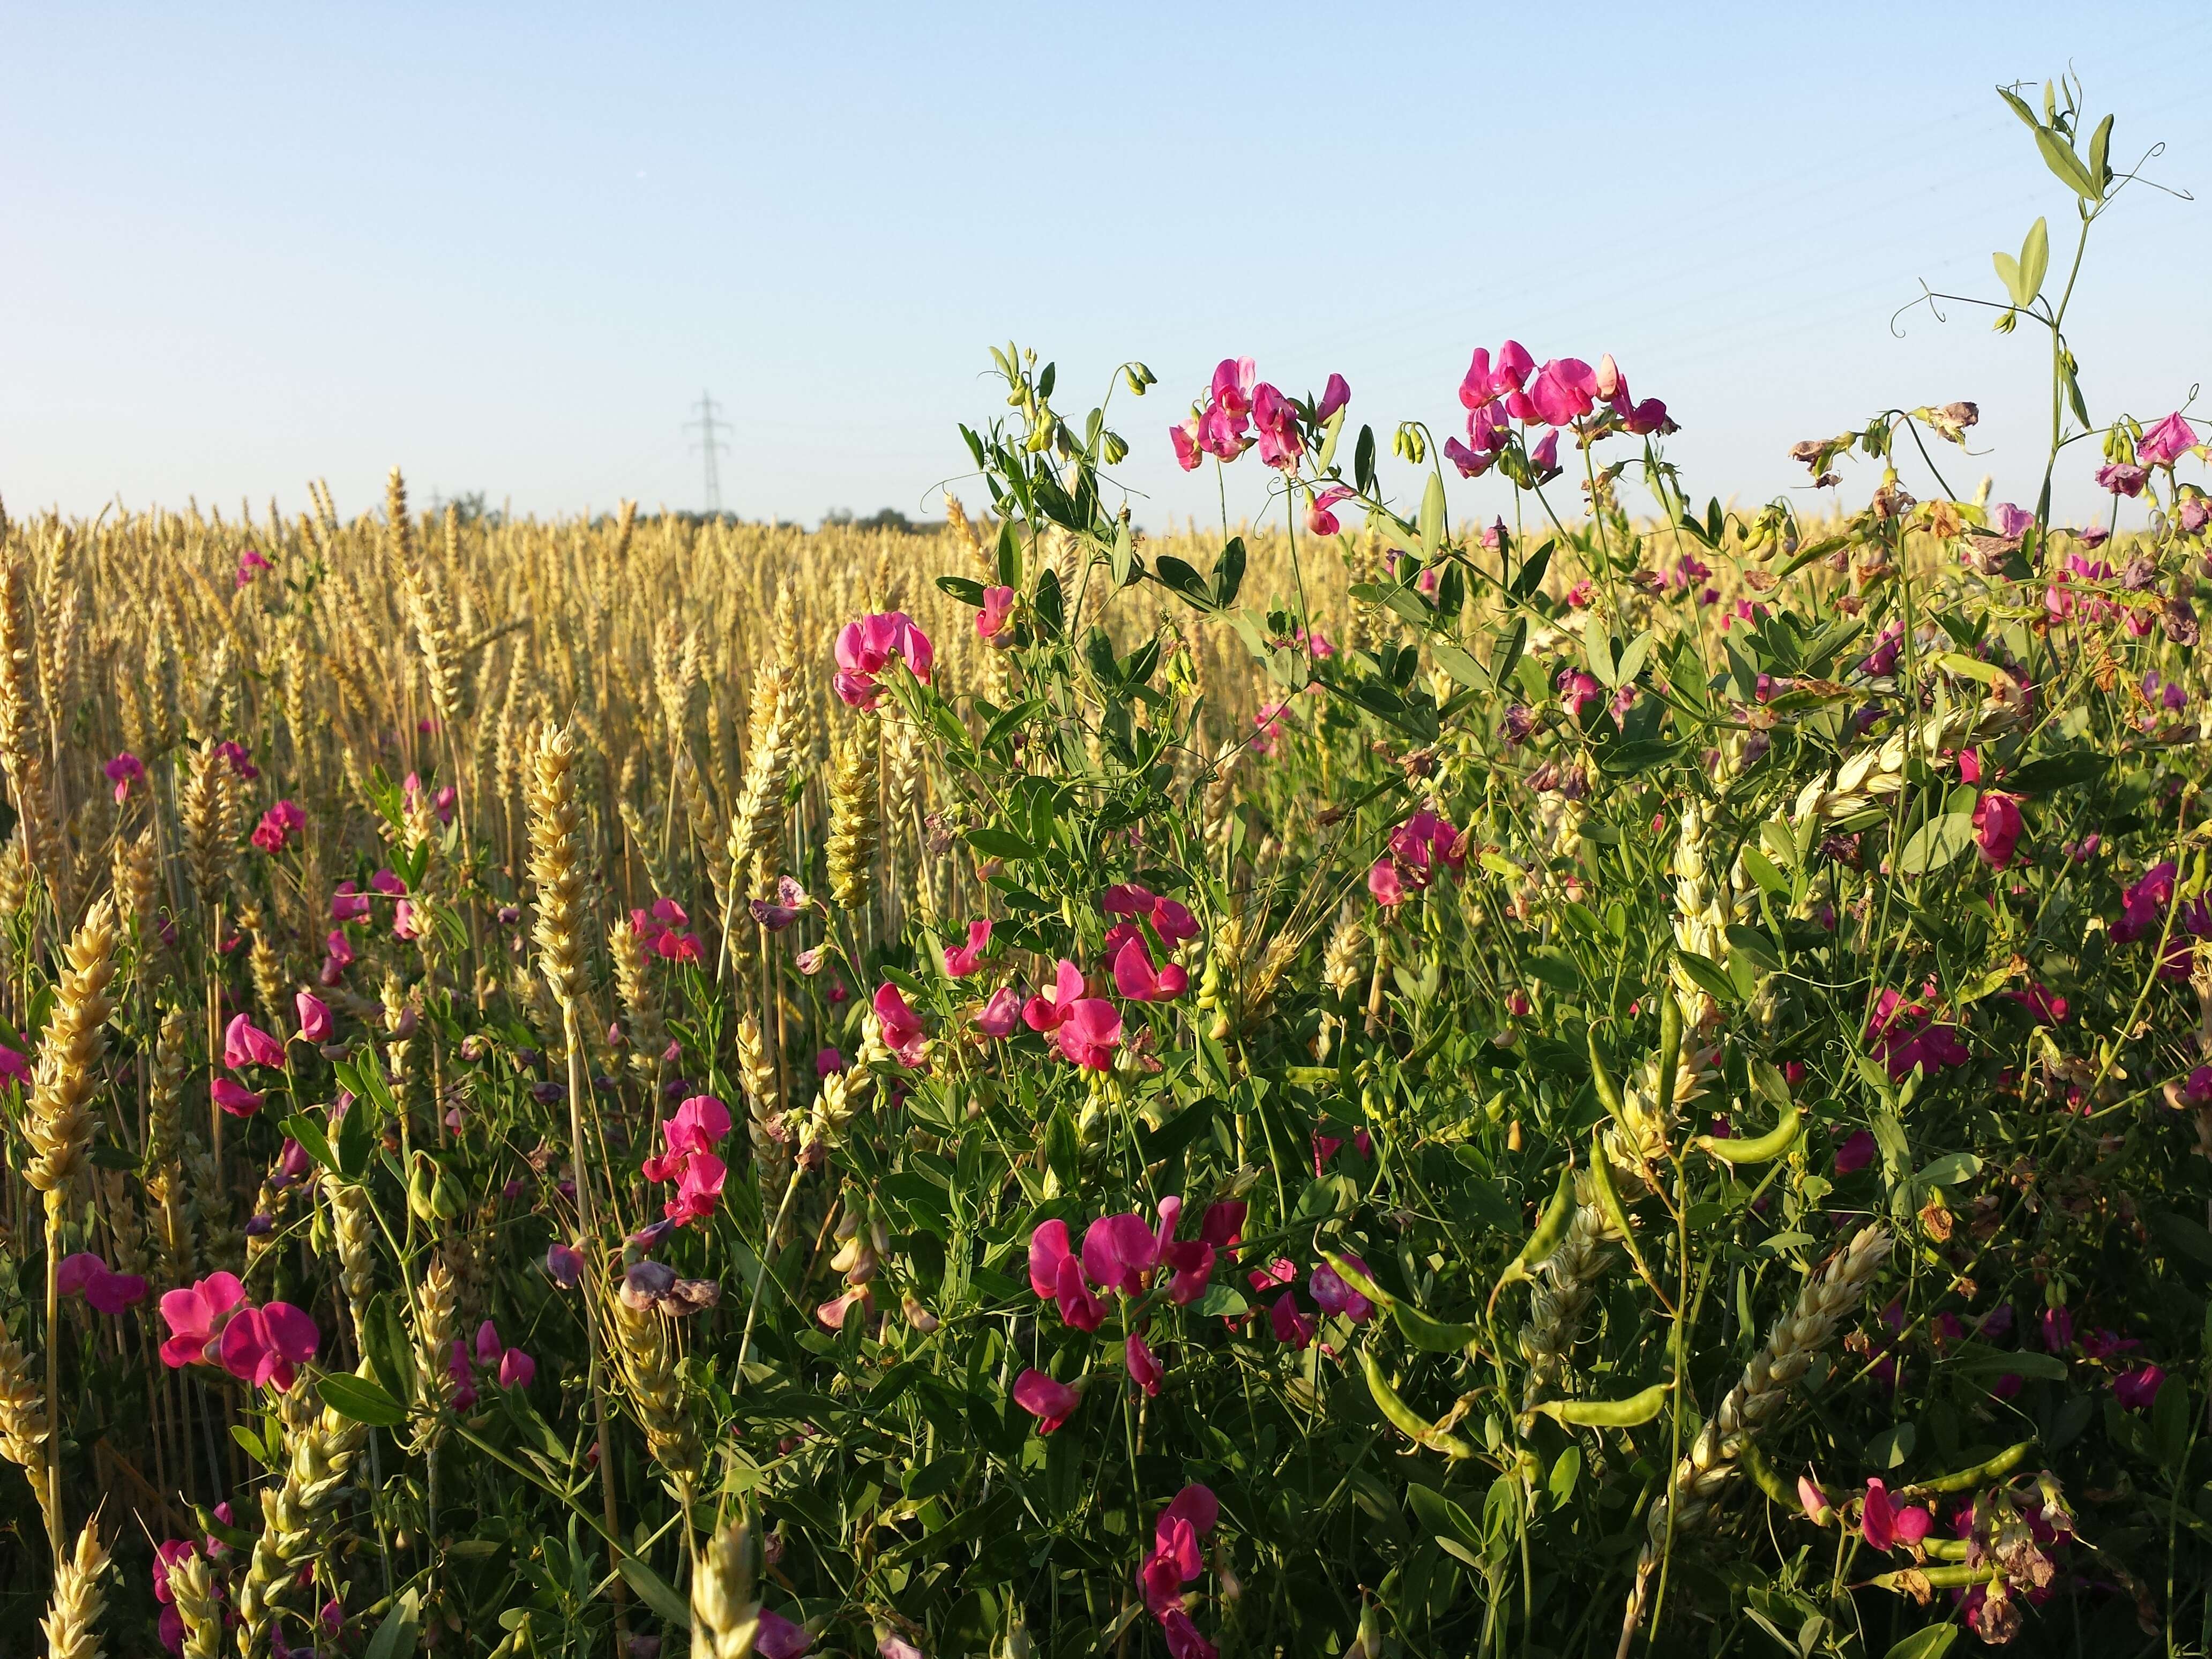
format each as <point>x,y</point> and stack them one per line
<point>266,1345</point>
<point>1119,1250</point>
<point>246,1044</point>
<point>998,605</point>
<point>1143,1368</point>
<point>1544,457</point>
<point>1856,1153</point>
<point>902,1026</point>
<point>1050,1403</point>
<point>1563,391</point>
<point>2166,442</point>
<point>1905,1035</point>
<point>1321,521</point>
<point>1056,1275</point>
<point>1276,420</point>
<point>1813,1500</point>
<point>233,751</point>
<point>1268,726</point>
<point>1884,1526</point>
<point>15,1065</point>
<point>564,1266</point>
<point>775,914</point>
<point>1331,1294</point>
<point>1134,978</point>
<point>125,769</point>
<point>777,1637</point>
<point>2137,1390</point>
<point>997,1017</point>
<point>828,1062</point>
<point>961,960</point>
<point>1044,1013</point>
<point>250,565</point>
<point>315,1017</point>
<point>1292,1327</point>
<point>278,825</point>
<point>108,1291</point>
<point>517,1369</point>
<point>1486,382</point>
<point>233,1098</point>
<point>464,1386</point>
<point>697,1188</point>
<point>1090,1033</point>
<point>195,1315</point>
<point>1184,439</point>
<point>1578,692</point>
<point>2121,479</point>
<point>865,648</point>
<point>1333,396</point>
<point>1997,827</point>
<point>347,904</point>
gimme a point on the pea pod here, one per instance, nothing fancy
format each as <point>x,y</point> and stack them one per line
<point>1608,1413</point>
<point>1959,1577</point>
<point>1768,1478</point>
<point>1616,1213</point>
<point>1670,1047</point>
<point>1551,1228</point>
<point>1981,1474</point>
<point>1403,1416</point>
<point>1608,1092</point>
<point>1762,1149</point>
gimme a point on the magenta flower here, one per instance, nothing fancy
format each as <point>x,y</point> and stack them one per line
<point>1333,1296</point>
<point>1384,884</point>
<point>125,769</point>
<point>15,1065</point>
<point>1134,976</point>
<point>828,1062</point>
<point>2137,1390</point>
<point>1290,1326</point>
<point>1144,1369</point>
<point>347,904</point>
<point>233,1098</point>
<point>998,605</point>
<point>1051,1403</point>
<point>1333,396</point>
<point>234,752</point>
<point>314,1016</point>
<point>779,1638</point>
<point>1320,520</point>
<point>564,1266</point>
<point>1997,827</point>
<point>517,1369</point>
<point>1268,725</point>
<point>1905,1035</point>
<point>1184,438</point>
<point>246,1044</point>
<point>1486,383</point>
<point>1090,1033</point>
<point>902,1026</point>
<point>998,1016</point>
<point>1044,1013</point>
<point>1470,463</point>
<point>2057,1326</point>
<point>266,1345</point>
<point>695,1126</point>
<point>962,960</point>
<point>698,1186</point>
<point>250,565</point>
<point>108,1291</point>
<point>1884,1526</point>
<point>1118,1251</point>
<point>1276,420</point>
<point>775,914</point>
<point>2122,479</point>
<point>195,1315</point>
<point>1578,692</point>
<point>1856,1153</point>
<point>1056,1276</point>
<point>1562,391</point>
<point>2143,906</point>
<point>866,647</point>
<point>2166,442</point>
<point>278,824</point>
<point>457,1367</point>
<point>1813,1500</point>
<point>1232,390</point>
<point>1544,458</point>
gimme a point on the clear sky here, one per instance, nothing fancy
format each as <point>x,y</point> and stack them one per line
<point>507,246</point>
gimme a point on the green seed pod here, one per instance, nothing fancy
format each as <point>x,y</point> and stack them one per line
<point>1670,1047</point>
<point>1403,1416</point>
<point>1772,1145</point>
<point>1608,1092</point>
<point>421,1190</point>
<point>1982,1474</point>
<point>1628,1413</point>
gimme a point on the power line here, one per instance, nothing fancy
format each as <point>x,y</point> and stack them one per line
<point>708,425</point>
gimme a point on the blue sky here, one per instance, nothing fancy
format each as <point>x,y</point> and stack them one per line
<point>505,246</point>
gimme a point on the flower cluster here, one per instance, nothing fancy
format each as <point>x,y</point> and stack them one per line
<point>866,647</point>
<point>1241,409</point>
<point>691,1134</point>
<point>212,1323</point>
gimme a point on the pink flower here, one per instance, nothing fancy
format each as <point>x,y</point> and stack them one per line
<point>1485,383</point>
<point>1090,1033</point>
<point>1045,1012</point>
<point>517,1369</point>
<point>866,647</point>
<point>564,1266</point>
<point>108,1291</point>
<point>1276,420</point>
<point>1856,1153</point>
<point>234,752</point>
<point>2137,1390</point>
<point>278,824</point>
<point>697,1187</point>
<point>1544,458</point>
<point>1814,1501</point>
<point>833,1313</point>
<point>1184,438</point>
<point>901,1025</point>
<point>2166,442</point>
<point>1578,692</point>
<point>125,769</point>
<point>250,565</point>
<point>998,605</point>
<point>1176,1559</point>
<point>961,960</point>
<point>2048,1007</point>
<point>1118,1251</point>
<point>1997,827</point>
<point>196,1315</point>
<point>1905,1035</point>
<point>246,1044</point>
<point>1268,725</point>
<point>779,1638</point>
<point>457,1367</point>
<point>15,1065</point>
<point>775,914</point>
<point>1470,463</point>
<point>1885,1526</point>
<point>1320,520</point>
<point>1562,391</point>
<point>997,1017</point>
<point>1144,1369</point>
<point>1292,1327</point>
<point>1232,390</point>
<point>2121,479</point>
<point>1384,884</point>
<point>1333,396</point>
<point>828,1062</point>
<point>1051,1403</point>
<point>1134,976</point>
<point>1324,1148</point>
<point>233,1098</point>
<point>347,905</point>
<point>1056,1275</point>
<point>264,1345</point>
<point>1333,1296</point>
<point>314,1016</point>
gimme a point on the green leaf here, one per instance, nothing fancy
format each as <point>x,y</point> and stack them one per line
<point>2100,145</point>
<point>2034,260</point>
<point>654,1591</point>
<point>305,1130</point>
<point>1631,659</point>
<point>1174,573</point>
<point>397,1635</point>
<point>1931,1643</point>
<point>2058,155</point>
<point>1442,1517</point>
<point>357,1140</point>
<point>966,589</point>
<point>1000,844</point>
<point>2048,772</point>
<point>1936,843</point>
<point>390,1355</point>
<point>1460,664</point>
<point>1706,975</point>
<point>1507,656</point>
<point>1950,1170</point>
<point>2009,274</point>
<point>1980,1359</point>
<point>363,1400</point>
<point>1229,572</point>
<point>1432,516</point>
